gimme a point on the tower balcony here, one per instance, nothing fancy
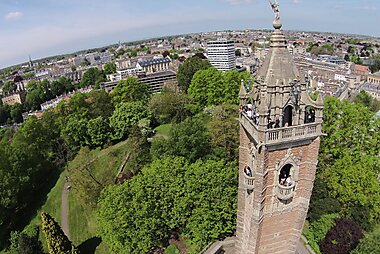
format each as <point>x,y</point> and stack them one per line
<point>285,192</point>
<point>281,135</point>
<point>249,182</point>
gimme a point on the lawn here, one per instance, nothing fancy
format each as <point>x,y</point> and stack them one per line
<point>82,219</point>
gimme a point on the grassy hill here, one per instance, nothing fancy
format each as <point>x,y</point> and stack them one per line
<point>82,219</point>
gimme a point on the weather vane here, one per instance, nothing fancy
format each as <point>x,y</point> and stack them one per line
<point>276,9</point>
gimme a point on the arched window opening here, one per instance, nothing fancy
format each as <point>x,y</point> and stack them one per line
<point>248,171</point>
<point>287,118</point>
<point>309,114</point>
<point>285,177</point>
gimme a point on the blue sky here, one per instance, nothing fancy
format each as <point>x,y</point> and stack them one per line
<point>42,28</point>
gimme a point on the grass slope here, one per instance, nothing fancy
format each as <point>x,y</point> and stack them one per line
<point>82,220</point>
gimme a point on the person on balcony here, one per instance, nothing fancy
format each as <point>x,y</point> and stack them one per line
<point>277,122</point>
<point>248,171</point>
<point>288,181</point>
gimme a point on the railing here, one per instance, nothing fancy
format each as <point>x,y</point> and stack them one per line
<point>289,133</point>
<point>285,192</point>
<point>277,135</point>
<point>249,182</point>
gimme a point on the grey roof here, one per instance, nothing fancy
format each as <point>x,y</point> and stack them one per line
<point>278,65</point>
<point>154,61</point>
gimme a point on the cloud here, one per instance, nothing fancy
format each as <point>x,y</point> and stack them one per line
<point>15,15</point>
<point>297,1</point>
<point>238,2</point>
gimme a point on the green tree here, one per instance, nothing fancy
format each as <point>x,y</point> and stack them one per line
<point>169,106</point>
<point>354,181</point>
<point>187,70</point>
<point>126,115</point>
<point>212,87</point>
<point>26,243</point>
<point>98,132</point>
<point>16,113</point>
<point>318,229</point>
<point>57,241</point>
<point>109,68</point>
<point>92,77</point>
<point>365,99</point>
<point>375,66</point>
<point>370,243</point>
<point>130,90</point>
<point>169,195</point>
<point>9,87</point>
<point>223,129</point>
<point>188,139</point>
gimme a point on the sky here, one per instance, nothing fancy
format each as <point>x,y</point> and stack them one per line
<point>42,28</point>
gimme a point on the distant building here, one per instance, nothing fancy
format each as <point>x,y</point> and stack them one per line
<point>154,65</point>
<point>371,88</point>
<point>221,54</point>
<point>14,98</point>
<point>122,74</point>
<point>374,78</point>
<point>156,81</point>
<point>360,70</point>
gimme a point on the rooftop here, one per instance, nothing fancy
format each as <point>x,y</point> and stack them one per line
<point>154,61</point>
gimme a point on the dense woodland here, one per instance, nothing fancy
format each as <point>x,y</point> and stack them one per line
<point>182,186</point>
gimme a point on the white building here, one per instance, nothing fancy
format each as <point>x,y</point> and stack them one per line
<point>221,54</point>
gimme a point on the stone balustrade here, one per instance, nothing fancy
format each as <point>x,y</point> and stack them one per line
<point>285,134</point>
<point>249,182</point>
<point>285,192</point>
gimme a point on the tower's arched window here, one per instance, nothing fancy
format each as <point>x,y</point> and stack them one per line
<point>287,116</point>
<point>285,177</point>
<point>309,114</point>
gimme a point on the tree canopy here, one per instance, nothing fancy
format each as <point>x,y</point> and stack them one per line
<point>169,195</point>
<point>130,90</point>
<point>212,87</point>
<point>187,70</point>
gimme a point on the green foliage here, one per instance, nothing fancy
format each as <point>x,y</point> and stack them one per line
<point>187,70</point>
<point>356,59</point>
<point>169,106</point>
<point>327,49</point>
<point>347,178</point>
<point>199,199</point>
<point>171,249</point>
<point>92,77</point>
<point>223,130</point>
<point>126,115</point>
<point>16,113</point>
<point>109,68</point>
<point>375,66</point>
<point>26,242</point>
<point>9,87</point>
<point>130,90</point>
<point>212,87</point>
<point>318,229</point>
<point>58,243</point>
<point>188,139</point>
<point>354,182</point>
<point>370,243</point>
<point>98,131</point>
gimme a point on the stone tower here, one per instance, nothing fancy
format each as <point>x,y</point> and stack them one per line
<point>280,129</point>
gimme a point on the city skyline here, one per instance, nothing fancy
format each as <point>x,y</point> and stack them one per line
<point>51,27</point>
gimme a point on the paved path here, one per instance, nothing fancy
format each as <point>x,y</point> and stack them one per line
<point>301,249</point>
<point>65,209</point>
